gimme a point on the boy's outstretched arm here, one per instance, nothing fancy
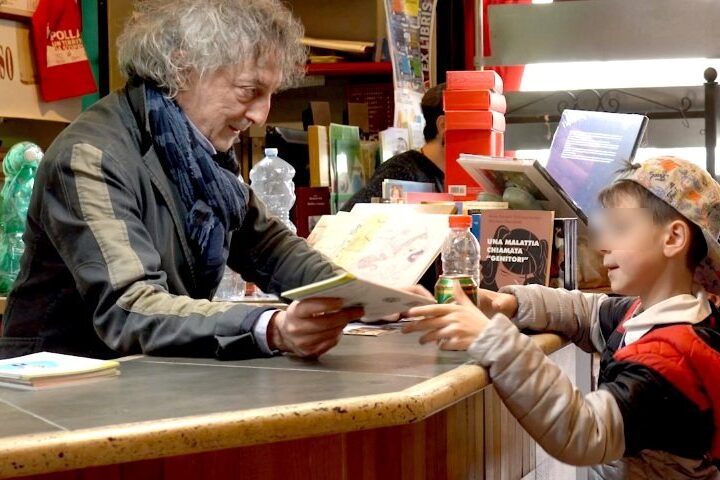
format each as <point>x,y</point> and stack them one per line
<point>572,314</point>
<point>575,429</point>
<point>652,382</point>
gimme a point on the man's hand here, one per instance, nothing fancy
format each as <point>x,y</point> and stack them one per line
<point>418,290</point>
<point>451,326</point>
<point>492,303</point>
<point>309,328</point>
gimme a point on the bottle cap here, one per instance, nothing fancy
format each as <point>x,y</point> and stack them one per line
<point>460,221</point>
<point>271,152</point>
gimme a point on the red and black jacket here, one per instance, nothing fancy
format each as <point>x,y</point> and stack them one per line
<point>667,383</point>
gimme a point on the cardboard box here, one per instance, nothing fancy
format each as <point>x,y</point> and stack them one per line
<point>474,80</point>
<point>474,100</point>
<point>474,120</point>
<point>478,142</point>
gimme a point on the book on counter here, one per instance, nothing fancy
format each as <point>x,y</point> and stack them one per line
<point>377,300</point>
<point>515,247</point>
<point>46,369</point>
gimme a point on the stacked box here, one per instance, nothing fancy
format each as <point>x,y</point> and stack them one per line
<point>474,123</point>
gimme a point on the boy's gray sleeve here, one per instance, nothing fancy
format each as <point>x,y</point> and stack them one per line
<point>576,429</point>
<point>573,314</point>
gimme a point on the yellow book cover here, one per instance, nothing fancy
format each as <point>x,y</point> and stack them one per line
<point>319,156</point>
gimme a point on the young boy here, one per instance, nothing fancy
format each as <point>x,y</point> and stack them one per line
<point>656,414</point>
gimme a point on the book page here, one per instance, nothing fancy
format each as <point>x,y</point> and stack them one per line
<point>388,249</point>
<point>394,250</point>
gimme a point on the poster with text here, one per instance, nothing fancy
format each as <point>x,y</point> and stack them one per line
<point>410,25</point>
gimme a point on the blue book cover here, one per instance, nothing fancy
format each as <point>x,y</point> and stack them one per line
<point>588,150</point>
<point>475,227</point>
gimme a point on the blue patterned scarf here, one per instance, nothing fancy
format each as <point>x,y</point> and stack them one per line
<point>215,199</point>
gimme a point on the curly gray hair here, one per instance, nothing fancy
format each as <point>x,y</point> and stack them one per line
<point>166,40</point>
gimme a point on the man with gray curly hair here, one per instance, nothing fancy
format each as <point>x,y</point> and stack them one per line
<point>138,207</point>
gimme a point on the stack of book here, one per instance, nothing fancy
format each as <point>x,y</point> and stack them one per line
<point>475,123</point>
<point>46,369</point>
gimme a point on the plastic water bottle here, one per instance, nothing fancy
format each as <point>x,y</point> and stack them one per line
<point>460,260</point>
<point>232,286</point>
<point>271,180</point>
<point>20,166</point>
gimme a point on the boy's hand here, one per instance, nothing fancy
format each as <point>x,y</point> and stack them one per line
<point>492,303</point>
<point>309,328</point>
<point>415,290</point>
<point>452,326</point>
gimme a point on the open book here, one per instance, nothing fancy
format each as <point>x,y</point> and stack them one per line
<point>377,300</point>
<point>46,369</point>
<point>391,246</point>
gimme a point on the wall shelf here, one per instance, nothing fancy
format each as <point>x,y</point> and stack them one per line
<point>350,68</point>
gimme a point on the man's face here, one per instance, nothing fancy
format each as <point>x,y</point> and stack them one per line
<point>631,245</point>
<point>227,101</point>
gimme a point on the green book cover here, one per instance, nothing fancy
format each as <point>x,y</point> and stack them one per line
<point>346,174</point>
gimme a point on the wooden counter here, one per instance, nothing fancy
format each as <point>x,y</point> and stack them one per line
<point>374,407</point>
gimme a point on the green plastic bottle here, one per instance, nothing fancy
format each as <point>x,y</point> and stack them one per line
<point>20,166</point>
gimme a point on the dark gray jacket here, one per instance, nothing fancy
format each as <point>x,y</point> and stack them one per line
<point>107,270</point>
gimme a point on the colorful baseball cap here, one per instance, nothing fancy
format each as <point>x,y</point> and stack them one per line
<point>695,194</point>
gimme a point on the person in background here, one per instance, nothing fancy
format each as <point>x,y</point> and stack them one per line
<point>426,165</point>
<point>656,413</point>
<point>137,207</point>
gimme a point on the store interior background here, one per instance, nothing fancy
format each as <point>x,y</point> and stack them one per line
<point>647,55</point>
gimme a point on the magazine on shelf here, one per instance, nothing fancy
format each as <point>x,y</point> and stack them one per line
<point>346,175</point>
<point>515,247</point>
<point>393,141</point>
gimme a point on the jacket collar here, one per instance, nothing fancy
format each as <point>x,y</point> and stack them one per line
<point>685,308</point>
